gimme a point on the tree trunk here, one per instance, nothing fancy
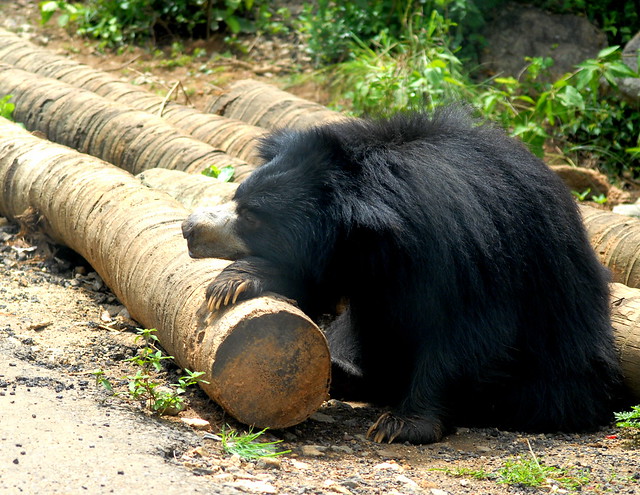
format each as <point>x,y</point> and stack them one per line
<point>231,136</point>
<point>131,139</point>
<point>266,106</point>
<point>268,365</point>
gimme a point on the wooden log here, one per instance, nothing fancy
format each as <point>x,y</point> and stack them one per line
<point>129,138</point>
<point>266,106</point>
<point>192,190</point>
<point>625,317</point>
<point>616,240</point>
<point>230,136</point>
<point>625,301</point>
<point>268,365</point>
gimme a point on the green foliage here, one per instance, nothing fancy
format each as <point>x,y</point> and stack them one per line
<point>6,108</point>
<point>531,472</point>
<point>581,113</point>
<point>331,25</point>
<point>224,174</point>
<point>576,111</point>
<point>246,445</point>
<point>394,75</point>
<point>144,385</point>
<point>630,422</point>
<point>528,472</point>
<point>117,22</point>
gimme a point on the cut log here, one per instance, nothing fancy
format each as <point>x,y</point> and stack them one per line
<point>266,106</point>
<point>268,365</point>
<point>616,240</point>
<point>234,137</point>
<point>129,138</point>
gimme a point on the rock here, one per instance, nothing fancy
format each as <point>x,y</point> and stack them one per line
<point>313,450</point>
<point>628,210</point>
<point>521,32</point>
<point>196,423</point>
<point>630,86</point>
<point>269,463</point>
<point>322,418</point>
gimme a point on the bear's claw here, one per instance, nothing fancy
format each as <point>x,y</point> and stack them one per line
<point>221,293</point>
<point>415,429</point>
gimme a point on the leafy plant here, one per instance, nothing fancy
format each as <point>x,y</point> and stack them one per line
<point>144,386</point>
<point>6,108</point>
<point>396,75</point>
<point>246,445</point>
<point>117,22</point>
<point>531,472</point>
<point>224,174</point>
<point>630,421</point>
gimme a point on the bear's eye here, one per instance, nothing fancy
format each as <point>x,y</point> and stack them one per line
<point>248,218</point>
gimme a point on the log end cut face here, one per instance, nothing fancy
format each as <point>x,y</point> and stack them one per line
<point>272,371</point>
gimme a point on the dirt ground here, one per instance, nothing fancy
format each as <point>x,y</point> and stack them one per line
<point>60,433</point>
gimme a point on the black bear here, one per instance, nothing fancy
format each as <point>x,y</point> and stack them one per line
<point>473,294</point>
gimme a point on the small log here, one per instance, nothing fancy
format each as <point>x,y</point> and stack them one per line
<point>129,138</point>
<point>616,240</point>
<point>268,365</point>
<point>266,106</point>
<point>234,137</point>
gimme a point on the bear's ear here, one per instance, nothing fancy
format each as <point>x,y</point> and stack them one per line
<point>273,144</point>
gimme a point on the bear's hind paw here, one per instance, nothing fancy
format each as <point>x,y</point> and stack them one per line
<point>413,429</point>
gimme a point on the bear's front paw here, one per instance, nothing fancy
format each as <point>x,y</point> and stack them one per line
<point>413,429</point>
<point>227,288</point>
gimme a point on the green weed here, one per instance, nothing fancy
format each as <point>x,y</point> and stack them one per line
<point>145,386</point>
<point>529,472</point>
<point>246,445</point>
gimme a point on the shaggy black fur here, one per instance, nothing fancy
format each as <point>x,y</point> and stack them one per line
<point>474,295</point>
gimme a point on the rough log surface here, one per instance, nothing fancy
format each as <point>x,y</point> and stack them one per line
<point>616,240</point>
<point>234,137</point>
<point>625,316</point>
<point>268,365</point>
<point>266,106</point>
<point>126,137</point>
<point>192,190</point>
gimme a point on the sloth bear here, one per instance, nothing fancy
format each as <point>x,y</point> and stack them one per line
<point>473,294</point>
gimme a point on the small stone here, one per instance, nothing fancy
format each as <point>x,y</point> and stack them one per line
<point>313,450</point>
<point>269,463</point>
<point>388,465</point>
<point>197,423</point>
<point>322,418</point>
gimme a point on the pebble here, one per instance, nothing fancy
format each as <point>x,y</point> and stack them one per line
<point>322,418</point>
<point>313,450</point>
